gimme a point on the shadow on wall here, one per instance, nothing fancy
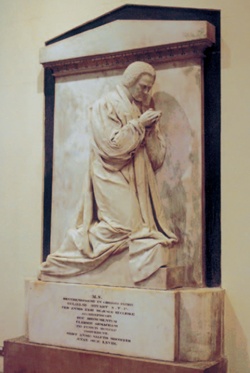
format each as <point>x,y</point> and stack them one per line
<point>177,132</point>
<point>179,183</point>
<point>236,348</point>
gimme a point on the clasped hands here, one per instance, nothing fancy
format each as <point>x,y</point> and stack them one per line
<point>150,118</point>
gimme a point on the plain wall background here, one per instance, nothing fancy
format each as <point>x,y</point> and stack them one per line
<point>25,25</point>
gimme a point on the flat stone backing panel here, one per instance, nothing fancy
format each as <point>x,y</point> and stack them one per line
<point>23,356</point>
<point>130,322</point>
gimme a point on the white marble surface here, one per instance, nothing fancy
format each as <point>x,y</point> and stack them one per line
<point>178,94</point>
<point>201,324</point>
<point>181,325</point>
<point>116,37</point>
<point>134,323</point>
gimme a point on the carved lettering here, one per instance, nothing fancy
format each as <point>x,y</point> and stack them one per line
<point>99,318</point>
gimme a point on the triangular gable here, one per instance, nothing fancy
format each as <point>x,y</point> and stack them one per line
<point>122,35</point>
<point>144,12</point>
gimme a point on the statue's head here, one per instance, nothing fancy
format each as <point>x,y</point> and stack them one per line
<point>139,78</point>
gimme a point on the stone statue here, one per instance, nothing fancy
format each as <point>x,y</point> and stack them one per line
<point>121,209</point>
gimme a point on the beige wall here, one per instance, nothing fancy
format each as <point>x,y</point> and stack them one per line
<point>24,26</point>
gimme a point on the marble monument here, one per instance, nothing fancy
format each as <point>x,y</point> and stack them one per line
<point>125,274</point>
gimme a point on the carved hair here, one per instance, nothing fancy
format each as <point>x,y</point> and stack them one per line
<point>134,71</point>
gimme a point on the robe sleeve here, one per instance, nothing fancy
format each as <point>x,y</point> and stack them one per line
<point>156,147</point>
<point>114,140</point>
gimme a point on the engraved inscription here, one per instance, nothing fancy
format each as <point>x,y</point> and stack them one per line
<point>98,319</point>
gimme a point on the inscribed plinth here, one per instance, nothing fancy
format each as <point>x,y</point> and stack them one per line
<point>144,323</point>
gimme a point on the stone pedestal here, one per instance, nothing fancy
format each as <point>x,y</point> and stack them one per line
<point>24,356</point>
<point>175,325</point>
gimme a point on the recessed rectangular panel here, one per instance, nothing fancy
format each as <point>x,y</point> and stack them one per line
<point>178,94</point>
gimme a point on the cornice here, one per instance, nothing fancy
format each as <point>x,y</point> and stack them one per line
<point>119,60</point>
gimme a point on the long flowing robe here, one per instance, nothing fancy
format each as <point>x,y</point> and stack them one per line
<point>121,208</point>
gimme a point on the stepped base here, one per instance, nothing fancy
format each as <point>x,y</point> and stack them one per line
<point>23,356</point>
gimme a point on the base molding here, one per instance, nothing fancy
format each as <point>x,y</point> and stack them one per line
<point>20,355</point>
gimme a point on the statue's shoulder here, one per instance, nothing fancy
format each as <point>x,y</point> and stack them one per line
<point>108,100</point>
<point>113,96</point>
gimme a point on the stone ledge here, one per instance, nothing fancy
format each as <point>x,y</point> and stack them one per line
<point>23,356</point>
<point>115,272</point>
